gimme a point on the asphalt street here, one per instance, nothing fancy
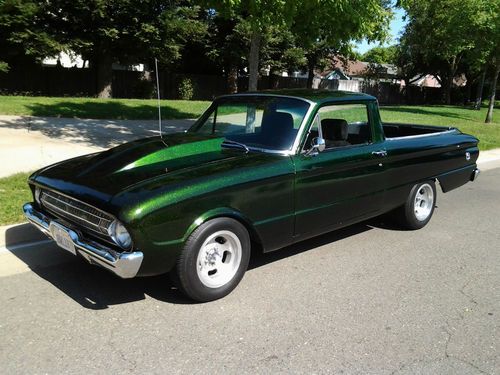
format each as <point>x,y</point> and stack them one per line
<point>368,299</point>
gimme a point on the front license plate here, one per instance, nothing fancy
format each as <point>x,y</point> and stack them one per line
<point>62,238</point>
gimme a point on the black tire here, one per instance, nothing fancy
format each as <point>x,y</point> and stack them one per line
<point>416,214</point>
<point>193,282</point>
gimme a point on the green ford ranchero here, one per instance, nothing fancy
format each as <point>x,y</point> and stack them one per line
<point>256,172</point>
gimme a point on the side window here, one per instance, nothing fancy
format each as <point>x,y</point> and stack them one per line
<point>345,125</point>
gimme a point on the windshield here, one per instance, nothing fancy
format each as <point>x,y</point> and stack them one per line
<point>259,122</point>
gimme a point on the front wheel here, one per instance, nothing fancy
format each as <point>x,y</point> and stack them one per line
<point>419,206</point>
<point>214,259</point>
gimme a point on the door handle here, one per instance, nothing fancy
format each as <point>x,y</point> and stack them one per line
<point>381,153</point>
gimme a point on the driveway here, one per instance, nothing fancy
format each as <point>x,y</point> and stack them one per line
<point>365,299</point>
<point>28,143</point>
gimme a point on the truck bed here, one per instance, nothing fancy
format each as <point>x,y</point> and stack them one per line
<point>397,130</point>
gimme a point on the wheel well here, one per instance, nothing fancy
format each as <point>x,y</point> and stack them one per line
<point>438,184</point>
<point>254,236</point>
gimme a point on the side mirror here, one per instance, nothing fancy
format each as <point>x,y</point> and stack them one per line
<point>317,145</point>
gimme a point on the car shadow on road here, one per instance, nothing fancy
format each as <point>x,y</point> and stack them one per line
<point>96,289</point>
<point>260,259</point>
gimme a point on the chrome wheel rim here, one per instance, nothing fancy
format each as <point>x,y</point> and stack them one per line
<point>219,259</point>
<point>424,201</point>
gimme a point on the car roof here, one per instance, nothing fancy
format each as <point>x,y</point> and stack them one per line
<point>311,95</point>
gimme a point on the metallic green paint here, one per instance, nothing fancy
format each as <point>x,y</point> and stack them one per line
<point>162,194</point>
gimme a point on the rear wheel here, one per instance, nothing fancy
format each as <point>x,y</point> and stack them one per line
<point>419,206</point>
<point>214,259</point>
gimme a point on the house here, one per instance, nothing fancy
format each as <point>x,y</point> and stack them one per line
<point>429,80</point>
<point>72,60</point>
<point>361,71</point>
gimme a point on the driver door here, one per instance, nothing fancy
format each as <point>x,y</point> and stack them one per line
<point>344,183</point>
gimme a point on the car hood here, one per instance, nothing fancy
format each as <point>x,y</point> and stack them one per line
<point>96,178</point>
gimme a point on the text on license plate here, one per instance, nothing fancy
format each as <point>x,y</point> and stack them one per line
<point>62,238</point>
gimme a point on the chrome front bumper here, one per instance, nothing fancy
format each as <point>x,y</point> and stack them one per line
<point>125,265</point>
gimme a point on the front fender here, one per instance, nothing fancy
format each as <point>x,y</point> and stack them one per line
<point>160,256</point>
<point>225,212</point>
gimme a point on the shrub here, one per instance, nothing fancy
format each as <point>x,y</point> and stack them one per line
<point>186,89</point>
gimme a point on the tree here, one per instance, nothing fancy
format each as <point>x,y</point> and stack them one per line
<point>492,36</point>
<point>491,104</point>
<point>229,43</point>
<point>258,15</point>
<point>226,47</point>
<point>26,32</point>
<point>380,55</point>
<point>444,32</point>
<point>124,31</point>
<point>323,28</point>
<point>101,31</point>
<point>279,51</point>
<point>410,61</point>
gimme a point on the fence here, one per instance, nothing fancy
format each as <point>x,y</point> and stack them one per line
<point>58,81</point>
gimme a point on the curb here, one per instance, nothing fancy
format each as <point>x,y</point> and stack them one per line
<point>489,159</point>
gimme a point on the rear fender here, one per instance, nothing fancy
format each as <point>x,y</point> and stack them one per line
<point>458,177</point>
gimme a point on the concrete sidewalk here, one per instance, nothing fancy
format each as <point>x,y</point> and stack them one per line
<point>28,143</point>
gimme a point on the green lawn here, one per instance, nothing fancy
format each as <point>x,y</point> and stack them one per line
<point>467,120</point>
<point>123,109</point>
<point>14,192</point>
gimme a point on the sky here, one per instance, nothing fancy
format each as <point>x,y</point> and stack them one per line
<point>396,26</point>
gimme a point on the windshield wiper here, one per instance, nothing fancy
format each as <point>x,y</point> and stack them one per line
<point>228,142</point>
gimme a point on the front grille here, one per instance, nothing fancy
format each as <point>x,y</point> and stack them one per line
<point>79,213</point>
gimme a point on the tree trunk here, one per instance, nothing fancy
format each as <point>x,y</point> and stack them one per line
<point>479,92</point>
<point>468,91</point>
<point>491,105</point>
<point>253,61</point>
<point>311,64</point>
<point>448,81</point>
<point>407,89</point>
<point>104,71</point>
<point>274,78</point>
<point>232,79</point>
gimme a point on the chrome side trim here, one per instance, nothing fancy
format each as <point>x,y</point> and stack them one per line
<point>420,135</point>
<point>125,265</point>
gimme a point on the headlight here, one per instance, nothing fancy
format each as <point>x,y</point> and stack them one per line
<point>37,194</point>
<point>119,234</point>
